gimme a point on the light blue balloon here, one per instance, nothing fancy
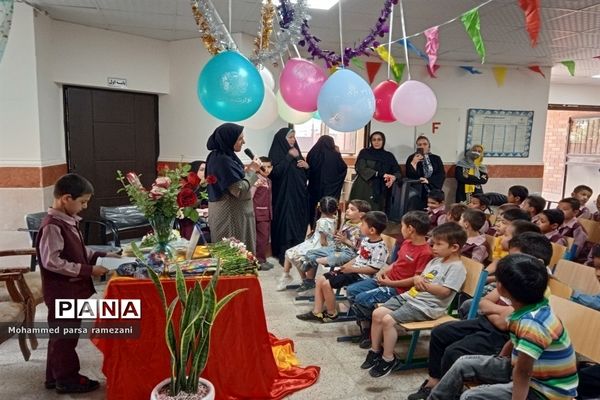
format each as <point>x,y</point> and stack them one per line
<point>346,102</point>
<point>230,87</point>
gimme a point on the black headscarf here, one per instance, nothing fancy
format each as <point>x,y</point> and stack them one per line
<point>281,147</point>
<point>222,162</point>
<point>195,165</point>
<point>385,162</point>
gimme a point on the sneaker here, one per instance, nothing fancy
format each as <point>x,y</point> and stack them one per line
<point>422,393</point>
<point>310,316</point>
<point>306,285</point>
<point>84,385</point>
<point>265,266</point>
<point>50,384</point>
<point>330,317</point>
<point>284,281</point>
<point>371,360</point>
<point>383,368</point>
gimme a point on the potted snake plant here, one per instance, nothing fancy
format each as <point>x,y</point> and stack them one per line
<point>189,346</point>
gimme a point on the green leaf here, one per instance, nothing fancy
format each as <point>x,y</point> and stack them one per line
<point>180,285</point>
<point>172,347</point>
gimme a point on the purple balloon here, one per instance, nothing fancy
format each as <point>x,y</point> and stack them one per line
<point>414,103</point>
<point>300,83</point>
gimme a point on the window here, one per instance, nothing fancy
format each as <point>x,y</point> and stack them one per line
<point>309,132</point>
<point>584,136</point>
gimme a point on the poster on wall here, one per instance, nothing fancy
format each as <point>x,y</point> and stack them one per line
<point>503,133</point>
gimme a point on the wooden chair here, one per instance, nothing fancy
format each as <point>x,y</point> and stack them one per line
<point>558,253</point>
<point>17,307</point>
<point>592,228</point>
<point>558,288</point>
<point>490,242</point>
<point>578,276</point>
<point>582,324</point>
<point>473,286</point>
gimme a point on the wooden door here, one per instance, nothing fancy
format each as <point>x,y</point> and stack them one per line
<point>108,130</point>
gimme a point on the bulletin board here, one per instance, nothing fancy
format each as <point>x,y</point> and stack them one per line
<point>503,133</point>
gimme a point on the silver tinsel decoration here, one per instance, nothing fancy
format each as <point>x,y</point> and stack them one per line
<point>285,37</point>
<point>216,26</point>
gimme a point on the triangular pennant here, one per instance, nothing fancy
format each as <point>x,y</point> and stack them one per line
<point>570,64</point>
<point>536,68</point>
<point>531,8</point>
<point>598,57</point>
<point>358,63</point>
<point>472,25</point>
<point>431,71</point>
<point>499,75</point>
<point>470,69</point>
<point>372,69</point>
<point>431,48</point>
<point>398,71</point>
<point>414,49</point>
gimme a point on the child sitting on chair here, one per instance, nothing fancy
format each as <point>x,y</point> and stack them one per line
<point>371,258</point>
<point>455,212</point>
<point>347,242</point>
<point>549,221</point>
<point>480,201</point>
<point>502,223</point>
<point>322,236</point>
<point>517,194</point>
<point>436,209</point>
<point>534,205</point>
<point>583,193</point>
<point>571,227</point>
<point>537,362</point>
<point>394,279</point>
<point>476,246</point>
<point>428,299</point>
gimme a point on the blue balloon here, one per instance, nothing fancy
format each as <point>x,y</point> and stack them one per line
<point>346,102</point>
<point>230,87</point>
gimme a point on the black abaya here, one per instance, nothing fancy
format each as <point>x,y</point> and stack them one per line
<point>326,174</point>
<point>290,196</point>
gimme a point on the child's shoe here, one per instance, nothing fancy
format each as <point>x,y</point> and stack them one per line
<point>383,368</point>
<point>307,284</point>
<point>371,360</point>
<point>310,316</point>
<point>423,392</point>
<point>330,317</point>
<point>284,281</point>
<point>84,385</point>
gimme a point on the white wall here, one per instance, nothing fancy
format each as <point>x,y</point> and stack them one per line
<point>588,95</point>
<point>458,90</point>
<point>19,122</point>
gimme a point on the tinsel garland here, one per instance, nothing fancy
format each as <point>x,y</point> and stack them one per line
<point>331,58</point>
<point>214,34</point>
<point>262,41</point>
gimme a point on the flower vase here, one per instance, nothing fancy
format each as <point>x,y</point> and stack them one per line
<point>162,227</point>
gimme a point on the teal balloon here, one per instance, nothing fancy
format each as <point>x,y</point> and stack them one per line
<point>230,88</point>
<point>346,102</point>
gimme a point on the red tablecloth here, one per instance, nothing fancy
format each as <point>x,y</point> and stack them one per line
<point>240,364</point>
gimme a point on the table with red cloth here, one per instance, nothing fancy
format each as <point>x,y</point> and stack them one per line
<point>240,365</point>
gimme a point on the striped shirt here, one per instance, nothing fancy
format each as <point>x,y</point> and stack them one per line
<point>537,332</point>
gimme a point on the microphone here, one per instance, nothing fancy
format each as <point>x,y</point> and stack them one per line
<point>250,154</point>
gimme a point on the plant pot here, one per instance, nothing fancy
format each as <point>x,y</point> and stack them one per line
<point>210,396</point>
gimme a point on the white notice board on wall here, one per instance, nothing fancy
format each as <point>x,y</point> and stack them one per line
<point>503,133</point>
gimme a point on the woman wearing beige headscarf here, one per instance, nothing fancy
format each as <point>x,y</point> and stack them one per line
<point>470,174</point>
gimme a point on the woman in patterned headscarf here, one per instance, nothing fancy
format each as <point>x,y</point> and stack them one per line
<point>426,167</point>
<point>470,174</point>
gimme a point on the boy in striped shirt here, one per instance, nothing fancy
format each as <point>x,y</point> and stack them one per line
<point>543,364</point>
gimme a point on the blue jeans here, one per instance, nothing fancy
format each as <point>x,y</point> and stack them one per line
<point>366,294</point>
<point>335,256</point>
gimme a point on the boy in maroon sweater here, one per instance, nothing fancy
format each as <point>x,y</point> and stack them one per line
<point>67,267</point>
<point>571,226</point>
<point>263,212</point>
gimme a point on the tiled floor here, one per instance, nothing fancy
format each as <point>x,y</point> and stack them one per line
<point>315,344</point>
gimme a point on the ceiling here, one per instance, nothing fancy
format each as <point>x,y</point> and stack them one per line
<point>570,28</point>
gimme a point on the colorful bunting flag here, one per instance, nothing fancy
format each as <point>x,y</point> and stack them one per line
<point>397,69</point>
<point>531,8</point>
<point>499,75</point>
<point>432,70</point>
<point>414,49</point>
<point>570,64</point>
<point>358,63</point>
<point>470,70</point>
<point>372,69</point>
<point>598,57</point>
<point>536,68</point>
<point>472,25</point>
<point>431,48</point>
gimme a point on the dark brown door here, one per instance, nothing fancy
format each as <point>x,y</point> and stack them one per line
<point>108,130</point>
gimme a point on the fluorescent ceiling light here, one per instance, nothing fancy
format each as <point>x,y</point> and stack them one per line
<point>596,76</point>
<point>316,4</point>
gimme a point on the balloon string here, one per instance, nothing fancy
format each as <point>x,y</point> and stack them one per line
<point>341,36</point>
<point>405,40</point>
<point>296,49</point>
<point>229,16</point>
<point>390,44</point>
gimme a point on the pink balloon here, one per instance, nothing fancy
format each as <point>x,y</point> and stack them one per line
<point>300,83</point>
<point>414,103</point>
<point>383,101</point>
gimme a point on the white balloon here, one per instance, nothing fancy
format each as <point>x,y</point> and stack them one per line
<point>288,114</point>
<point>266,114</point>
<point>267,78</point>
